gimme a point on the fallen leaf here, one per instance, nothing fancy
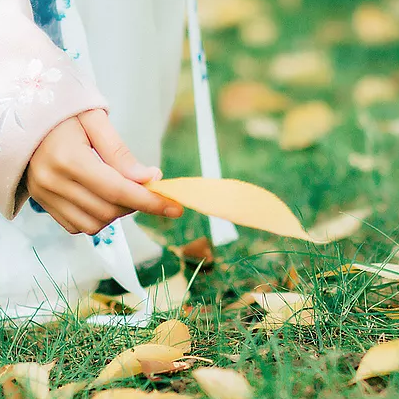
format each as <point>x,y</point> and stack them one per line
<point>90,306</point>
<point>282,307</point>
<point>385,270</point>
<point>244,301</point>
<point>173,333</point>
<point>264,128</point>
<point>259,32</point>
<point>11,390</point>
<point>344,269</point>
<point>222,14</point>
<point>365,163</point>
<point>244,99</point>
<point>197,251</point>
<point>305,68</point>
<point>68,391</point>
<point>129,393</point>
<point>373,26</point>
<point>233,358</point>
<point>229,199</point>
<point>306,124</point>
<point>33,378</point>
<point>220,383</point>
<point>340,227</point>
<point>127,363</point>
<point>374,89</point>
<point>378,361</point>
<point>152,367</point>
<point>169,294</point>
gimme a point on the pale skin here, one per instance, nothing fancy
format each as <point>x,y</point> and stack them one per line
<point>84,193</point>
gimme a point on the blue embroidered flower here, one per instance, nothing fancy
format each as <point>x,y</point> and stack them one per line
<point>36,207</point>
<point>104,236</point>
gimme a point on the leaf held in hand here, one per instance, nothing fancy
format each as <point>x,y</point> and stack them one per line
<point>173,333</point>
<point>220,383</point>
<point>380,360</point>
<point>239,202</point>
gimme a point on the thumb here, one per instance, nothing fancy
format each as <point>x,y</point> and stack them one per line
<point>112,150</point>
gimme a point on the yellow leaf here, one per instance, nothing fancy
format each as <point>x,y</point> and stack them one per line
<point>32,377</point>
<point>341,227</point>
<point>129,393</point>
<point>344,269</point>
<point>220,383</point>
<point>306,124</point>
<point>173,333</point>
<point>380,360</point>
<point>373,26</point>
<point>239,202</point>
<point>385,270</point>
<point>284,307</point>
<point>68,391</point>
<point>123,366</point>
<point>152,367</point>
<point>262,128</point>
<point>306,68</point>
<point>221,14</point>
<point>169,294</point>
<point>243,99</point>
<point>246,300</point>
<point>261,31</point>
<point>127,363</point>
<point>374,89</point>
<point>90,306</point>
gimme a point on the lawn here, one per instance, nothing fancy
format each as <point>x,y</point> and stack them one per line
<point>345,56</point>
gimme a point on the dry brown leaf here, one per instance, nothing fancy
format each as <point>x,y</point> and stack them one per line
<point>244,99</point>
<point>261,31</point>
<point>284,307</point>
<point>263,128</point>
<point>152,367</point>
<point>291,280</point>
<point>33,378</point>
<point>222,14</point>
<point>173,333</point>
<point>220,383</point>
<point>11,390</point>
<point>340,227</point>
<point>306,68</point>
<point>68,391</point>
<point>229,199</point>
<point>378,361</point>
<point>374,89</point>
<point>198,250</point>
<point>373,26</point>
<point>306,124</point>
<point>127,363</point>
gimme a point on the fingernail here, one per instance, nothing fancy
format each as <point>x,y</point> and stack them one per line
<point>140,171</point>
<point>157,175</point>
<point>172,212</point>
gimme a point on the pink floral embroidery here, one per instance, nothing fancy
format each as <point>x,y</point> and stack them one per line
<point>35,82</point>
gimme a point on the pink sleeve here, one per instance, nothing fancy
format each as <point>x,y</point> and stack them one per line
<point>40,87</point>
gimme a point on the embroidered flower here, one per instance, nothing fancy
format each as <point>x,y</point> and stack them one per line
<point>104,236</point>
<point>35,82</point>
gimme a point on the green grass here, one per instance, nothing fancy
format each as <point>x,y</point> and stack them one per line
<point>292,362</point>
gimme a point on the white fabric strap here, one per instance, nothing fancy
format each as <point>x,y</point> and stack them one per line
<point>222,231</point>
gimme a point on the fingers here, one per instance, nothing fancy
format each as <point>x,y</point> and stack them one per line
<point>109,145</point>
<point>90,202</point>
<point>71,217</point>
<point>112,187</point>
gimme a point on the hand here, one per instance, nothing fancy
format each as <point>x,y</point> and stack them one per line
<point>84,193</point>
